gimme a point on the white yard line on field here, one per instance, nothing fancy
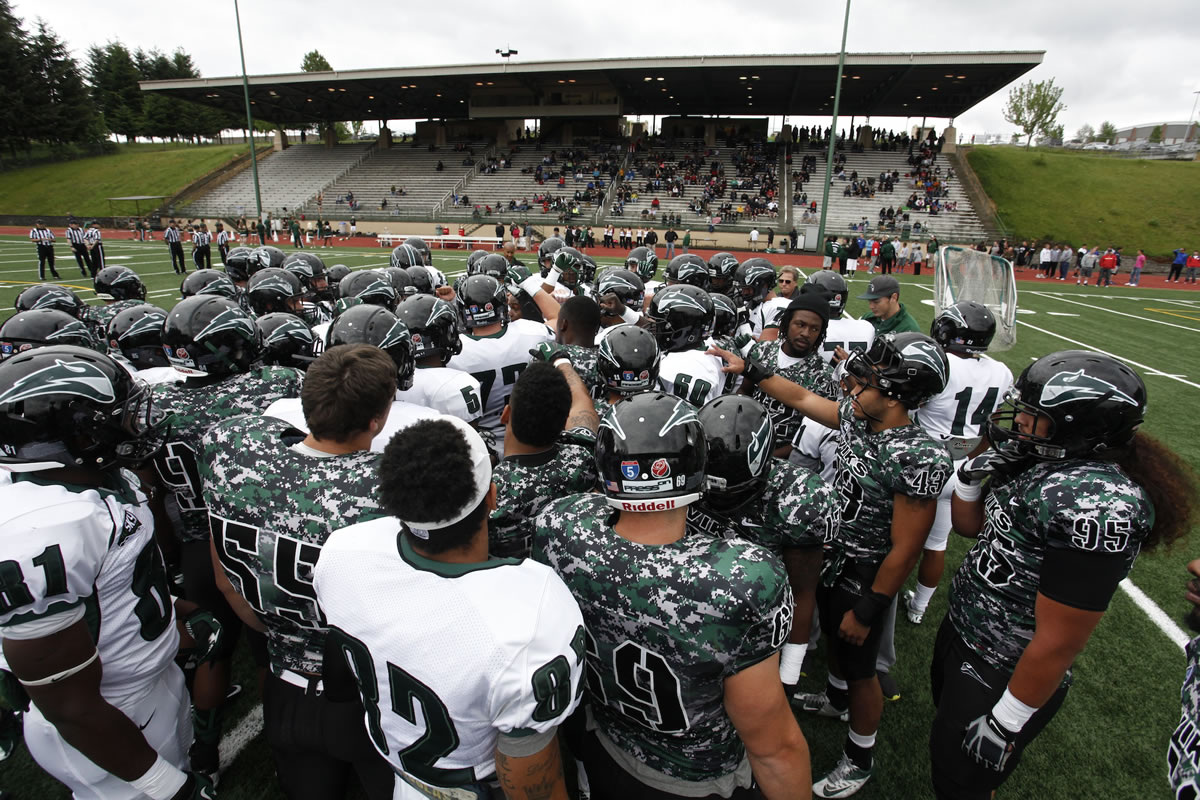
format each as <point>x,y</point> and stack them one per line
<point>1049,296</point>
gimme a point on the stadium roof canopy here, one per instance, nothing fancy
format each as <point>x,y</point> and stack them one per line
<point>874,84</point>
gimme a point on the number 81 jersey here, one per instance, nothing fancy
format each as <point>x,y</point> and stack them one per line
<point>66,551</point>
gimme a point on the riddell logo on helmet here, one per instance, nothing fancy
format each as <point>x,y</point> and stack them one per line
<point>647,505</point>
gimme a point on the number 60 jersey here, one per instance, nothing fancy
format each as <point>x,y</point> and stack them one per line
<point>70,553</point>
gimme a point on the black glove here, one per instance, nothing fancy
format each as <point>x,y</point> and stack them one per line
<point>755,370</point>
<point>207,631</point>
<point>549,352</point>
<point>988,742</point>
<point>741,340</point>
<point>990,464</point>
<point>196,787</point>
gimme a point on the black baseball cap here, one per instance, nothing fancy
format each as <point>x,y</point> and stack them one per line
<point>881,286</point>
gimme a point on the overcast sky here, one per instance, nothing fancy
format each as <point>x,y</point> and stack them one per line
<point>1130,63</point>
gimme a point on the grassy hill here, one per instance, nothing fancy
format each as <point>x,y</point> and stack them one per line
<point>1088,198</point>
<point>81,186</point>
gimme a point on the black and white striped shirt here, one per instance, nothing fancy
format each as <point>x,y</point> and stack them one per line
<point>92,235</point>
<point>75,235</point>
<point>41,236</point>
<point>201,238</point>
<point>222,238</point>
<point>171,236</point>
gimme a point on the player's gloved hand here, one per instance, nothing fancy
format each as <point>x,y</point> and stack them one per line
<point>549,352</point>
<point>196,787</point>
<point>741,340</point>
<point>988,742</point>
<point>206,630</point>
<point>12,694</point>
<point>755,370</point>
<point>991,463</point>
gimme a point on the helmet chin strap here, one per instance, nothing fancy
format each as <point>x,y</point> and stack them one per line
<point>862,387</point>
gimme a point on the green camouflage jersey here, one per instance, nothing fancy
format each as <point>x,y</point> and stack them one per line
<point>796,509</point>
<point>196,407</point>
<point>271,509</point>
<point>1183,755</point>
<point>1087,506</point>
<point>98,317</point>
<point>525,484</point>
<point>583,361</point>
<point>872,468</point>
<point>810,372</point>
<point>666,625</point>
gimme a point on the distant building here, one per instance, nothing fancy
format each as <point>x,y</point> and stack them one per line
<point>1172,132</point>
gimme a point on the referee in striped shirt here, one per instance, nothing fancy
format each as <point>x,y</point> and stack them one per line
<point>95,247</point>
<point>222,242</point>
<point>44,238</point>
<point>175,245</point>
<point>75,236</point>
<point>202,247</point>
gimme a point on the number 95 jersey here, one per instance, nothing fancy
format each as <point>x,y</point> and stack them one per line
<point>69,552</point>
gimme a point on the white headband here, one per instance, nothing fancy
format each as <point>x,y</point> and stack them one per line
<point>481,465</point>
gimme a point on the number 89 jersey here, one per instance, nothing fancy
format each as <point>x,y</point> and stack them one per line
<point>72,551</point>
<point>1088,509</point>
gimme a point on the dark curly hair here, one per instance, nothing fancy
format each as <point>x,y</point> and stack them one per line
<point>1168,480</point>
<point>539,405</point>
<point>426,473</point>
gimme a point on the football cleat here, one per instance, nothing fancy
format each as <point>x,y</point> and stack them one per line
<point>845,779</point>
<point>914,616</point>
<point>817,703</point>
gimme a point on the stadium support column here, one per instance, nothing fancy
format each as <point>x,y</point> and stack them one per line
<point>249,115</point>
<point>950,144</point>
<point>329,135</point>
<point>281,140</point>
<point>837,98</point>
<point>385,135</point>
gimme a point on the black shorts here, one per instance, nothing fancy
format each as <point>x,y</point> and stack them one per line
<point>609,780</point>
<point>966,687</point>
<point>320,746</point>
<point>855,662</point>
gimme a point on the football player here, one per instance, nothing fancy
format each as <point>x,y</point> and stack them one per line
<point>210,282</point>
<point>273,290</point>
<point>267,532</point>
<point>287,341</point>
<point>683,631</point>
<point>44,326</point>
<point>549,440</point>
<point>1073,493</point>
<point>754,282</point>
<point>214,343</point>
<point>1183,757</point>
<point>515,632</point>
<point>433,327</point>
<point>135,338</point>
<point>889,475</point>
<point>575,331</point>
<point>843,333</point>
<point>628,361</point>
<point>785,508</point>
<point>86,617</point>
<point>796,355</point>
<point>120,288</point>
<point>683,319</point>
<point>643,262</point>
<point>721,270</point>
<point>622,296</point>
<point>316,301</point>
<point>494,350</point>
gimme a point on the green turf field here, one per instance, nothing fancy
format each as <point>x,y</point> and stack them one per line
<point>1110,739</point>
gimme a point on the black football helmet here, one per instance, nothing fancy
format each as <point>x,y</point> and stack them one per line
<point>473,259</point>
<point>238,264</point>
<point>418,244</point>
<point>529,309</point>
<point>136,333</point>
<point>51,295</point>
<point>207,335</point>
<point>754,280</point>
<point>683,317</point>
<point>546,253</point>
<point>401,282</point>
<point>41,327</point>
<point>588,273</point>
<point>651,453</point>
<point>910,367</point>
<point>405,256</point>
<point>725,315</point>
<point>334,276</point>
<point>267,257</point>
<point>286,340</point>
<point>964,328</point>
<point>625,284</point>
<point>573,267</point>
<point>494,264</point>
<point>833,285</point>
<point>310,270</point>
<point>643,261</point>
<point>721,269</point>
<point>271,290</point>
<point>628,360</point>
<point>688,269</point>
<point>740,438</point>
<point>422,281</point>
<point>366,324</point>
<point>482,301</point>
<point>119,283</point>
<point>433,325</point>
<point>208,282</point>
<point>369,286</point>
<point>1093,402</point>
<point>64,406</point>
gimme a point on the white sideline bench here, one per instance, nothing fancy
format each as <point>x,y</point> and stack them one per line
<point>441,242</point>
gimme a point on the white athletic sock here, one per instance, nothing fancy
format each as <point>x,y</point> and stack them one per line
<point>838,683</point>
<point>922,596</point>
<point>866,741</point>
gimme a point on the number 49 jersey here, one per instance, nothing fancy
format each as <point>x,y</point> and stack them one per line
<point>478,651</point>
<point>71,553</point>
<point>691,375</point>
<point>496,361</point>
<point>1087,509</point>
<point>974,389</point>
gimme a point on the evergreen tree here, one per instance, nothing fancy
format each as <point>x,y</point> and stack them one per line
<point>113,76</point>
<point>65,112</point>
<point>16,89</point>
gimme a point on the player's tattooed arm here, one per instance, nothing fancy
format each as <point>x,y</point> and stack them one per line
<point>583,411</point>
<point>535,777</point>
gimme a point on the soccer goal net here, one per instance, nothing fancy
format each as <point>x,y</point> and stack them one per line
<point>963,274</point>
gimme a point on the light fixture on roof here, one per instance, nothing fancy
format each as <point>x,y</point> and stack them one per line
<point>479,83</point>
<point>962,77</point>
<point>331,89</point>
<point>370,97</point>
<point>439,94</point>
<point>570,80</point>
<point>856,77</point>
<point>754,77</point>
<point>310,99</point>
<point>948,76</point>
<point>934,89</point>
<point>660,78</point>
<point>647,78</point>
<point>741,77</point>
<point>918,97</point>
<point>562,81</point>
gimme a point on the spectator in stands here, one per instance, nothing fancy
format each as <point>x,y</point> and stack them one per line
<point>1136,276</point>
<point>440,166</point>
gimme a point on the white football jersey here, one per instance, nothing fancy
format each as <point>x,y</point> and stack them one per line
<point>480,650</point>
<point>974,389</point>
<point>400,417</point>
<point>815,446</point>
<point>767,315</point>
<point>692,375</point>
<point>155,375</point>
<point>447,391</point>
<point>847,334</point>
<point>496,361</point>
<point>76,549</point>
